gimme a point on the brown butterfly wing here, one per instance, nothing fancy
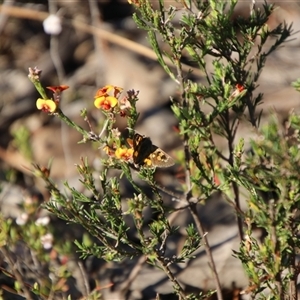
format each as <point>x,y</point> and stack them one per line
<point>145,153</point>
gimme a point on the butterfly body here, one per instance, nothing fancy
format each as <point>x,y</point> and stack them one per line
<point>147,154</point>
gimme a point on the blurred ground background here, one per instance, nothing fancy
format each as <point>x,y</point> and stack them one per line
<point>115,54</point>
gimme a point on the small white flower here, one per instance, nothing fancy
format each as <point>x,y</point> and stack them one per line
<point>43,221</point>
<point>52,25</point>
<point>22,219</point>
<point>47,240</point>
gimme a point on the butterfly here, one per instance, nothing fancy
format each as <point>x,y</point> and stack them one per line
<point>149,155</point>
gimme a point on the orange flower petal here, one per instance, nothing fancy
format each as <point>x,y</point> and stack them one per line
<point>46,105</point>
<point>113,101</point>
<point>239,87</point>
<point>124,153</point>
<point>105,102</point>
<point>98,101</point>
<point>58,88</point>
<point>104,91</point>
<point>117,91</point>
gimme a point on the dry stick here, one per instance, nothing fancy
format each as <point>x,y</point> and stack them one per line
<point>135,271</point>
<point>231,133</point>
<point>26,13</point>
<point>15,160</point>
<point>173,279</point>
<point>84,278</point>
<point>133,274</point>
<point>3,18</point>
<point>96,17</point>
<point>54,46</point>
<point>16,272</point>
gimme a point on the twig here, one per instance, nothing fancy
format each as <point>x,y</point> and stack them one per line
<point>84,277</point>
<point>133,274</point>
<point>16,273</point>
<point>169,273</point>
<point>3,18</point>
<point>208,251</point>
<point>96,17</point>
<point>231,135</point>
<point>16,160</point>
<point>180,197</point>
<point>101,33</point>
